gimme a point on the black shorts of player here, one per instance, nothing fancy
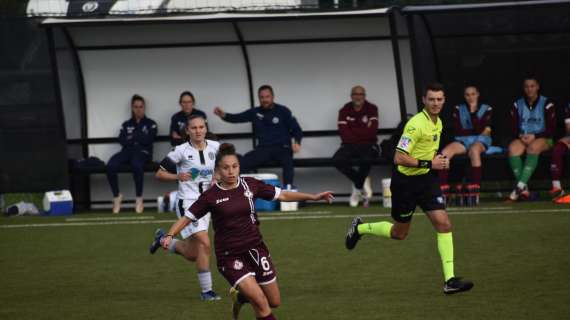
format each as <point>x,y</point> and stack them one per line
<point>411,191</point>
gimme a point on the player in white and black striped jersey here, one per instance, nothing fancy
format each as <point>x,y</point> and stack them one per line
<point>192,165</point>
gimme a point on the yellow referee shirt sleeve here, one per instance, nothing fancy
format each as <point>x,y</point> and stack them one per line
<point>409,138</point>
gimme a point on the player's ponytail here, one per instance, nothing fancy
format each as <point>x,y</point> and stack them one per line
<point>226,149</point>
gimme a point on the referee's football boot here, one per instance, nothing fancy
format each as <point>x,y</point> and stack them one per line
<point>352,236</point>
<point>456,285</point>
<point>209,296</point>
<point>158,235</point>
<point>236,304</point>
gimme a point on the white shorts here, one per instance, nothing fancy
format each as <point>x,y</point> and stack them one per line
<point>194,227</point>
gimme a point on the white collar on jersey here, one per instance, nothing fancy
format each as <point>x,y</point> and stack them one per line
<point>237,185</point>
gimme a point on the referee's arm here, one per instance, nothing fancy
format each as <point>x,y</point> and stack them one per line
<point>405,160</point>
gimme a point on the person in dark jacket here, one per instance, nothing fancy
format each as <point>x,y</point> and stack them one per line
<point>179,119</point>
<point>357,126</point>
<point>274,127</point>
<point>136,137</point>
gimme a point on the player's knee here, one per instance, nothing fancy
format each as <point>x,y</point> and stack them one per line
<point>112,167</point>
<point>534,149</point>
<point>515,149</point>
<point>444,226</point>
<point>474,153</point>
<point>205,246</point>
<point>137,167</point>
<point>399,235</point>
<point>259,302</point>
<point>275,302</point>
<point>189,255</point>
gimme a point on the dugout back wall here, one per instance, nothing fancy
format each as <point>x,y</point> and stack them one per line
<point>311,62</point>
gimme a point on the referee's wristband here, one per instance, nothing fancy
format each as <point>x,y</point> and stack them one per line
<point>424,164</point>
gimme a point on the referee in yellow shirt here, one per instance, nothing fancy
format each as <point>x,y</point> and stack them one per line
<point>414,184</point>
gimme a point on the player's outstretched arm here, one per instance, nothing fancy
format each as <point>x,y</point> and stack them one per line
<point>174,230</point>
<point>287,196</point>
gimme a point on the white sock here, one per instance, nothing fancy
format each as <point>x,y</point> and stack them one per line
<point>205,279</point>
<point>556,184</point>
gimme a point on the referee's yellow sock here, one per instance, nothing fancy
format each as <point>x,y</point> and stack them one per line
<point>445,247</point>
<point>381,229</point>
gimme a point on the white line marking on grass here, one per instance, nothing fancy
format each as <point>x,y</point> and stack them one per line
<point>270,218</point>
<point>110,218</point>
<point>278,213</point>
<point>463,209</point>
<point>83,224</point>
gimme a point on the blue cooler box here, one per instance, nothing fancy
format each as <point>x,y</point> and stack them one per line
<point>269,178</point>
<point>58,203</point>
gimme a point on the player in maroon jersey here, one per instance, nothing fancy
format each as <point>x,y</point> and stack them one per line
<point>242,257</point>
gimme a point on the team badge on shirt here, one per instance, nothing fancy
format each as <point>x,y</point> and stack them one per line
<point>238,265</point>
<point>275,120</point>
<point>435,137</point>
<point>365,119</point>
<point>211,155</point>
<point>248,194</point>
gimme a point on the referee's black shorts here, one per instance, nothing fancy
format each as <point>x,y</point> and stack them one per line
<point>411,191</point>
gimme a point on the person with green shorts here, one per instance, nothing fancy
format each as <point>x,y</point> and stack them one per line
<point>414,183</point>
<point>533,125</point>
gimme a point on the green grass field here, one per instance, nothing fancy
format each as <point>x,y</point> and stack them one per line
<point>95,266</point>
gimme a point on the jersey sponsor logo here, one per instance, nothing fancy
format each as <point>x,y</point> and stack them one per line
<point>196,173</point>
<point>275,120</point>
<point>218,201</point>
<point>238,265</point>
<point>267,273</point>
<point>404,143</point>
